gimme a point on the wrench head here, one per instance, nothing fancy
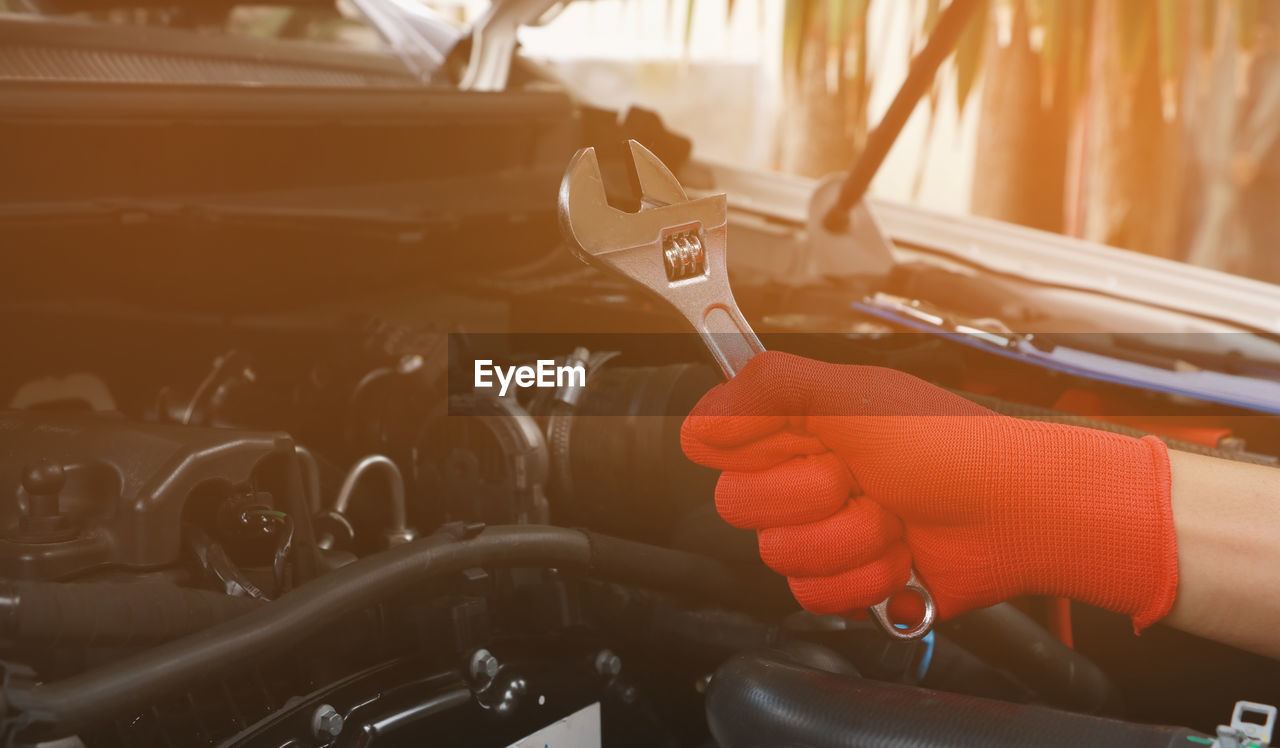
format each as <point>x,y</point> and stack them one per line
<point>590,223</point>
<point>673,247</point>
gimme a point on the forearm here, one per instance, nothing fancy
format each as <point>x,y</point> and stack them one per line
<point>1227,516</point>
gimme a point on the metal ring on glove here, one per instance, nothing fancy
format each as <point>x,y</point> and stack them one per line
<point>880,613</point>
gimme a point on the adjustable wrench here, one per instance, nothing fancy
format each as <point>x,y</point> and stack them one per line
<point>676,248</point>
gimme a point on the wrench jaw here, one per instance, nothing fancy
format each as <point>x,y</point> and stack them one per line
<point>595,227</point>
<point>581,196</point>
<point>652,179</point>
<point>586,217</point>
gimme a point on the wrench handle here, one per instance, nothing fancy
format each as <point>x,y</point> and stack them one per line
<point>880,613</point>
<point>728,336</point>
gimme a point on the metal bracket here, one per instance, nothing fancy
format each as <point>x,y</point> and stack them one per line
<point>493,42</point>
<point>1242,733</point>
<point>862,249</point>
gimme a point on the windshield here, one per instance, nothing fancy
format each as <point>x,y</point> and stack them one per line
<point>1146,125</point>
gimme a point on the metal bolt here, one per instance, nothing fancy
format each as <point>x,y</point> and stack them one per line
<point>1231,444</point>
<point>326,723</point>
<point>702,684</point>
<point>409,363</point>
<point>484,666</point>
<point>400,537</point>
<point>608,664</point>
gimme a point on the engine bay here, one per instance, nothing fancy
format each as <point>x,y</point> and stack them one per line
<point>251,493</point>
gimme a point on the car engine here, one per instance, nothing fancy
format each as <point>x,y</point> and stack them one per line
<point>251,494</point>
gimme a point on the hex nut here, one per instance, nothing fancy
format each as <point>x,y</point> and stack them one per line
<point>484,666</point>
<point>608,664</point>
<point>326,723</point>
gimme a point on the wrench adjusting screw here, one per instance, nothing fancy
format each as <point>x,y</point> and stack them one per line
<point>684,256</point>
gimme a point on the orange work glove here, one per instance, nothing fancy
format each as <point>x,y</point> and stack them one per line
<point>852,474</point>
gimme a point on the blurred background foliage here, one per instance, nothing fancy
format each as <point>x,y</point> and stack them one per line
<point>1146,124</point>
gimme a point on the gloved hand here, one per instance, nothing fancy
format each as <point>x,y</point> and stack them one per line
<point>852,474</point>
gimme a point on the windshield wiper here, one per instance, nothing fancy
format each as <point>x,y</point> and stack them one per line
<point>418,38</point>
<point>924,68</point>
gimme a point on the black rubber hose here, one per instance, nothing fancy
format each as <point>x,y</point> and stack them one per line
<point>103,614</point>
<point>699,576</point>
<point>1005,637</point>
<point>116,688</point>
<point>763,700</point>
<point>1036,413</point>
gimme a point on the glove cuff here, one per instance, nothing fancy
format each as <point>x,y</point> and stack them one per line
<point>1165,573</point>
<point>1103,509</point>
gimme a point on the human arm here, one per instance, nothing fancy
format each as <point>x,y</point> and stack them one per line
<point>1227,518</point>
<point>853,475</point>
